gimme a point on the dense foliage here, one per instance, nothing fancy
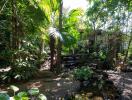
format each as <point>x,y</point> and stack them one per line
<point>39,35</point>
<point>84,73</point>
<point>31,31</point>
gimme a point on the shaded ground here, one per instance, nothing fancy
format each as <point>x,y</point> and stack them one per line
<point>49,84</point>
<point>124,82</point>
<point>55,86</point>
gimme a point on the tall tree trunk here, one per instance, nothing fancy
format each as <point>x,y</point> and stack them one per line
<point>126,55</point>
<point>42,47</point>
<point>52,52</point>
<point>14,25</point>
<point>14,38</point>
<point>129,43</point>
<point>59,45</point>
<point>52,45</point>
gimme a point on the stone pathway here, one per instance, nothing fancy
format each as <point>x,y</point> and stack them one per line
<point>124,82</point>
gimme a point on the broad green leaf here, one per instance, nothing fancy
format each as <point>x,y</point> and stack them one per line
<point>16,97</point>
<point>33,91</point>
<point>19,98</point>
<point>14,88</point>
<point>22,94</point>
<point>4,96</point>
<point>42,97</point>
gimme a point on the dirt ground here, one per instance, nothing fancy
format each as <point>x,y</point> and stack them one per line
<point>49,84</point>
<point>124,82</point>
<point>56,86</point>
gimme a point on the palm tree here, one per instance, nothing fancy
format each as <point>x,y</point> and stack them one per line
<point>59,45</point>
<point>53,9</point>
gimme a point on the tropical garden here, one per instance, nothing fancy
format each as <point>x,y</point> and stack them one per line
<point>48,52</point>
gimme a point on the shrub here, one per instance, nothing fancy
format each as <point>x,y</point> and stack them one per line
<point>102,55</point>
<point>83,73</point>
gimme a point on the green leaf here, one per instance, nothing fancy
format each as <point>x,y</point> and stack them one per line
<point>42,97</point>
<point>33,91</point>
<point>24,98</point>
<point>4,96</point>
<point>14,88</point>
<point>22,94</point>
<point>16,97</point>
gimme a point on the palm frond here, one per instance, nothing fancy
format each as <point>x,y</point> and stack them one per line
<point>4,5</point>
<point>54,32</point>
